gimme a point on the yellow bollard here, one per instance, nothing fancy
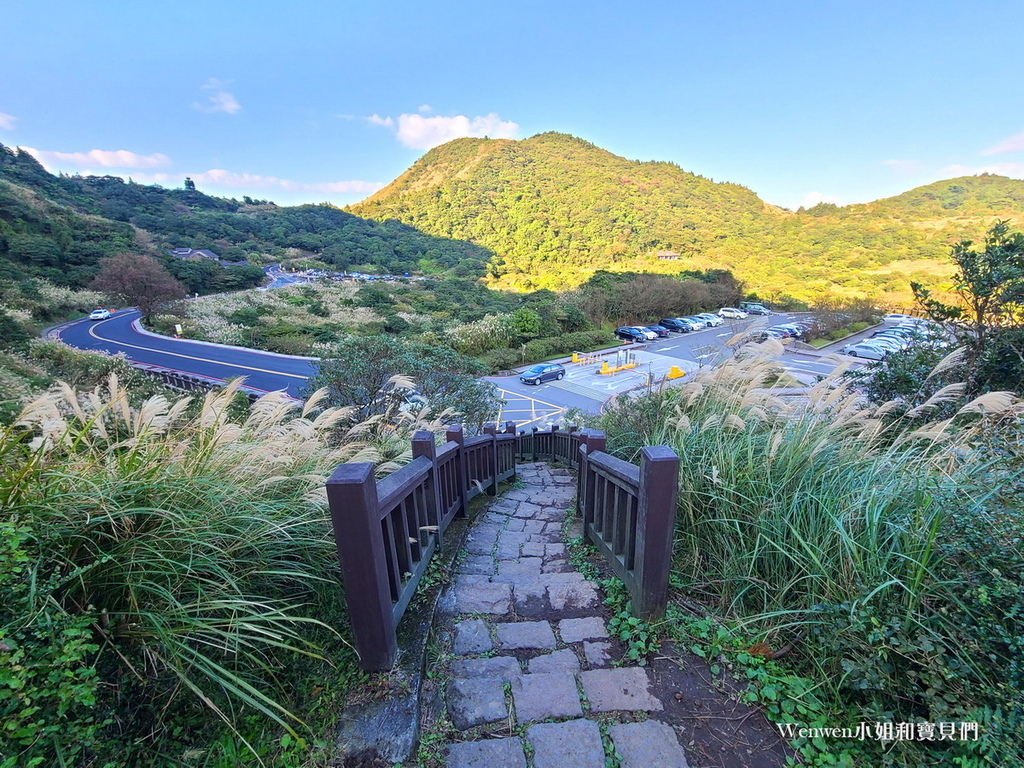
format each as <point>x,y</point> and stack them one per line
<point>675,372</point>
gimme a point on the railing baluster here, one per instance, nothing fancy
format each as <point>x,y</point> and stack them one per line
<point>423,445</point>
<point>455,434</point>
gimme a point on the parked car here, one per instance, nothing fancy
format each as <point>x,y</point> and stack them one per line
<point>755,309</point>
<point>660,330</point>
<point>647,332</point>
<point>783,331</point>
<point>891,342</point>
<point>714,320</point>
<point>897,330</point>
<point>868,351</point>
<point>693,323</point>
<point>629,333</point>
<point>99,314</point>
<point>896,317</point>
<point>732,313</point>
<point>674,325</point>
<point>700,322</point>
<point>542,372</point>
<point>795,330</point>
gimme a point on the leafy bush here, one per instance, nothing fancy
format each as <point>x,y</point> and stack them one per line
<point>542,349</point>
<point>502,359</point>
<point>159,569</point>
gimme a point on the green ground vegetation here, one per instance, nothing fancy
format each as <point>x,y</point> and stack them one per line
<point>877,561</point>
<point>501,329</point>
<point>172,594</point>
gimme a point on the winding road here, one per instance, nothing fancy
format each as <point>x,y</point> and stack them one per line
<point>122,332</point>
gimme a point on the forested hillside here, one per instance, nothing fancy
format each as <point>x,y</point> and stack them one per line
<point>58,227</point>
<point>554,208</point>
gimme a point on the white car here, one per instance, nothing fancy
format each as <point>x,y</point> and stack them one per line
<point>896,317</point>
<point>732,312</point>
<point>868,351</point>
<point>99,314</point>
<point>649,334</point>
<point>715,320</point>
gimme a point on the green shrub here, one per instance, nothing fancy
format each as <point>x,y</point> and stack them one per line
<point>502,359</point>
<point>162,573</point>
<point>890,558</point>
<point>555,346</point>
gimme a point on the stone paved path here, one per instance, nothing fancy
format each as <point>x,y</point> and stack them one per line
<point>533,680</point>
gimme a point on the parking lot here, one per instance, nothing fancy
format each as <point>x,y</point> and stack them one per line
<point>584,388</point>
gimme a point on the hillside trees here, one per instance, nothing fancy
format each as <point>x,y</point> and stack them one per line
<point>988,318</point>
<point>137,280</point>
<point>359,372</point>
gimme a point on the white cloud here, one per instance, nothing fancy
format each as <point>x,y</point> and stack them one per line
<point>105,158</point>
<point>1001,169</point>
<point>903,166</point>
<point>7,121</point>
<point>251,181</point>
<point>1012,144</point>
<point>424,108</point>
<point>811,199</point>
<point>419,132</point>
<point>219,99</point>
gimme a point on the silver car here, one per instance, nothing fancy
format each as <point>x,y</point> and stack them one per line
<point>867,351</point>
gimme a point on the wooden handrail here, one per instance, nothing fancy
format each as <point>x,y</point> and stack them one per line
<point>387,530</point>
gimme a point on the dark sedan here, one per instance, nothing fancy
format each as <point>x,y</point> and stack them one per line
<point>661,330</point>
<point>674,324</point>
<point>630,333</point>
<point>542,372</point>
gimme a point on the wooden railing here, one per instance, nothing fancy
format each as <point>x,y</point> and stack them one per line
<point>629,514</point>
<point>387,530</point>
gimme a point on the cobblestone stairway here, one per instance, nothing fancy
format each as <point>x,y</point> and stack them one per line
<point>530,677</point>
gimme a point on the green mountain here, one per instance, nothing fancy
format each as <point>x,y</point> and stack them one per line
<point>58,227</point>
<point>545,212</point>
<point>554,209</point>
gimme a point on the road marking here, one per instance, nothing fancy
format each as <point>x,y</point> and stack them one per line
<point>92,332</point>
<point>532,409</point>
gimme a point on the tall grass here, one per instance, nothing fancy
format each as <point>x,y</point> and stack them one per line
<point>192,553</point>
<point>821,521</point>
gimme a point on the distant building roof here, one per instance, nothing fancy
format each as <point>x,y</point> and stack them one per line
<point>667,255</point>
<point>189,253</point>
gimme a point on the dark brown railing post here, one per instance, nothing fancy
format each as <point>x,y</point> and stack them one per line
<point>595,441</point>
<point>352,496</point>
<point>656,525</point>
<point>581,480</point>
<point>454,434</point>
<point>491,430</point>
<point>510,427</point>
<point>423,445</point>
<point>534,431</point>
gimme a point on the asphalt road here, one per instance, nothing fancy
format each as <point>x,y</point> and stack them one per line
<point>122,333</point>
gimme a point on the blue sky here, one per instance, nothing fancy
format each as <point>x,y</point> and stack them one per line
<point>326,101</point>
